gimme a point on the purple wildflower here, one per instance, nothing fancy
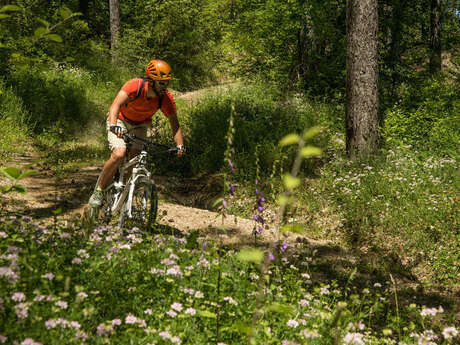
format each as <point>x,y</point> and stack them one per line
<point>230,163</point>
<point>61,304</point>
<point>190,311</point>
<point>130,319</point>
<point>292,323</point>
<point>176,306</point>
<point>18,297</point>
<point>165,335</point>
<point>171,313</point>
<point>116,322</point>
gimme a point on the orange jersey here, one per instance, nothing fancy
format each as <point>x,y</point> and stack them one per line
<point>142,109</point>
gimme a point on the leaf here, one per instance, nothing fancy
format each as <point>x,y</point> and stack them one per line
<point>242,327</point>
<point>41,31</point>
<point>10,172</point>
<point>54,37</point>
<point>20,189</point>
<point>289,139</point>
<point>65,12</point>
<point>44,22</point>
<point>290,182</point>
<point>217,202</point>
<point>57,211</point>
<point>311,132</point>
<point>280,308</point>
<point>310,151</point>
<point>6,189</point>
<point>3,16</point>
<point>251,255</point>
<point>27,174</point>
<point>285,200</point>
<point>10,8</point>
<point>297,228</point>
<point>206,313</point>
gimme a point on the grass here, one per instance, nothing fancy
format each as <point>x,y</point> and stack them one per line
<point>400,206</point>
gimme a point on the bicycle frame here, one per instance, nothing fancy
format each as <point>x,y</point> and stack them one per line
<point>139,173</point>
<point>121,194</point>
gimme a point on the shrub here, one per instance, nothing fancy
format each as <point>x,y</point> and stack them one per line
<point>54,98</point>
<point>262,118</point>
<point>426,117</point>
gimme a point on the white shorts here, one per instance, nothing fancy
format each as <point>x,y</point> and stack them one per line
<point>138,130</point>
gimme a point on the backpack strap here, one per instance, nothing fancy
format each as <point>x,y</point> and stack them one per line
<point>140,87</point>
<point>160,101</point>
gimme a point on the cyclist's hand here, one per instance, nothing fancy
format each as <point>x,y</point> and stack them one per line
<point>117,130</point>
<point>180,150</point>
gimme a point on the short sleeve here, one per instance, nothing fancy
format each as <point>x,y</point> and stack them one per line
<point>168,105</point>
<point>130,87</point>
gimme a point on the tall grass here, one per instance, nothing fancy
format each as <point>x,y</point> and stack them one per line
<point>13,127</point>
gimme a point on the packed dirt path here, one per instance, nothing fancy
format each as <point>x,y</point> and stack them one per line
<point>64,195</point>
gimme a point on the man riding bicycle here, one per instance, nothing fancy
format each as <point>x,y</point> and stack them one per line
<point>132,111</point>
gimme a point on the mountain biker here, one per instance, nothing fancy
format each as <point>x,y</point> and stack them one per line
<point>131,111</point>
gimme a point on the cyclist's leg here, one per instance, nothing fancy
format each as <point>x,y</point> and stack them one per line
<point>111,166</point>
<point>118,148</point>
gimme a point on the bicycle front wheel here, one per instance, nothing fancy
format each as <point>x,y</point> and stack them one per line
<point>144,208</point>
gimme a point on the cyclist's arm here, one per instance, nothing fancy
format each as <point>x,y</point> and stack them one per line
<point>176,129</point>
<point>121,99</point>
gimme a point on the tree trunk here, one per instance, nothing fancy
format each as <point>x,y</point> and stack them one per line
<point>362,78</point>
<point>435,36</point>
<point>83,6</point>
<point>395,45</point>
<point>114,26</point>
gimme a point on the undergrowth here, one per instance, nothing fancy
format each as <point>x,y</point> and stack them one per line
<point>75,285</point>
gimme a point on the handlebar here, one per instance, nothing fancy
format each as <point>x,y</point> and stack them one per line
<point>127,137</point>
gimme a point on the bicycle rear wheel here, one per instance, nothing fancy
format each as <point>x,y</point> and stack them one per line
<point>144,208</point>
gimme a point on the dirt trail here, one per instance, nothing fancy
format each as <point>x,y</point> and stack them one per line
<point>48,191</point>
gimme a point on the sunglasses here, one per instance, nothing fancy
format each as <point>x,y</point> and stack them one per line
<point>162,83</point>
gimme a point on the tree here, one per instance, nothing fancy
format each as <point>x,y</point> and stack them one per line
<point>362,77</point>
<point>435,36</point>
<point>114,26</point>
<point>83,6</point>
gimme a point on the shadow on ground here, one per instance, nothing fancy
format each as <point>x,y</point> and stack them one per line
<point>326,263</point>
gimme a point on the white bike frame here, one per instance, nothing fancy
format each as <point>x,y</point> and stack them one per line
<point>126,192</point>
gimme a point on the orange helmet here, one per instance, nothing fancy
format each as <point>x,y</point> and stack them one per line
<point>158,70</point>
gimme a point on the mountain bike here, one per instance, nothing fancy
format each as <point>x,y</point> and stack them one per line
<point>132,194</point>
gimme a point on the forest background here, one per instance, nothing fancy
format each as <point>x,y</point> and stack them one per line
<point>281,65</point>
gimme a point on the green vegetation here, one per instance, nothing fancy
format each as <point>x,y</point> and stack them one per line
<point>158,288</point>
<point>279,68</point>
